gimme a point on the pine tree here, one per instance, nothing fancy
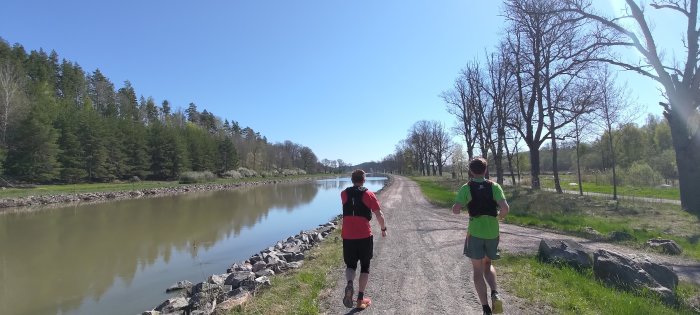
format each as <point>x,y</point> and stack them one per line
<point>33,148</point>
<point>71,156</point>
<point>92,138</point>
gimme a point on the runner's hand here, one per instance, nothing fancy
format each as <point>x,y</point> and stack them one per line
<point>383,233</point>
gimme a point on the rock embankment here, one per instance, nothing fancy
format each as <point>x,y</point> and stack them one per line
<point>33,201</point>
<point>220,293</point>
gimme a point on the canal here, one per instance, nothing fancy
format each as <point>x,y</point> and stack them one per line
<point>119,257</point>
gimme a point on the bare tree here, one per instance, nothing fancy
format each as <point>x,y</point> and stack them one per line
<point>499,89</point>
<point>419,138</point>
<point>441,145</point>
<point>458,104</point>
<point>549,49</point>
<point>613,106</point>
<point>680,82</point>
<point>10,87</point>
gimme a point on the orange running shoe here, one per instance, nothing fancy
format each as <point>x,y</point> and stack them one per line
<point>364,303</point>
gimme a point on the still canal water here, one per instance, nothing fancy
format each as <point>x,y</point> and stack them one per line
<point>118,258</point>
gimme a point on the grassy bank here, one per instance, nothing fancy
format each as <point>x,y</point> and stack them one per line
<point>62,189</point>
<point>298,291</point>
<point>573,214</point>
<point>672,193</point>
<point>569,291</point>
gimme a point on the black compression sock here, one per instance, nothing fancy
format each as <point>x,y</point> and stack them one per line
<point>494,292</point>
<point>486,308</point>
<point>350,282</point>
<point>360,295</point>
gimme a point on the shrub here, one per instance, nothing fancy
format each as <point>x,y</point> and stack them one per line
<point>232,174</point>
<point>640,174</point>
<point>247,173</point>
<point>196,177</point>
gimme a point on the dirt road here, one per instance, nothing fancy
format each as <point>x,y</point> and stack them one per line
<point>419,267</point>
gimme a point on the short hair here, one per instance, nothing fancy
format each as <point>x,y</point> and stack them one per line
<point>358,176</point>
<point>478,166</point>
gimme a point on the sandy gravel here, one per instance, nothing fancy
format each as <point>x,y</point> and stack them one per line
<point>419,267</point>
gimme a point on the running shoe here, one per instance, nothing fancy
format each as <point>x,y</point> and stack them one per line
<point>347,296</point>
<point>496,304</point>
<point>363,304</point>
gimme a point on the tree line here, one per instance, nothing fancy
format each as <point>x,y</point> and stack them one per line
<point>549,85</point>
<point>61,124</point>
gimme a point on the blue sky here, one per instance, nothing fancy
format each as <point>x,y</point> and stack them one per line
<point>345,78</point>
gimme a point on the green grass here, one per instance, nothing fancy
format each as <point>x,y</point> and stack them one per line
<point>298,291</point>
<point>435,191</point>
<point>672,193</point>
<point>571,214</point>
<point>569,291</point>
<point>62,189</point>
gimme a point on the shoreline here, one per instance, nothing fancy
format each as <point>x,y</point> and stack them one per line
<point>220,293</point>
<point>35,203</point>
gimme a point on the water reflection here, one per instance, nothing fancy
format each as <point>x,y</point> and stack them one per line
<point>93,258</point>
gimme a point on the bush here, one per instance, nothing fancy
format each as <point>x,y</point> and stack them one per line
<point>640,174</point>
<point>247,173</point>
<point>232,174</point>
<point>197,177</point>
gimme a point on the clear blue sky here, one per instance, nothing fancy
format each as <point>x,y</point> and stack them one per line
<point>345,78</point>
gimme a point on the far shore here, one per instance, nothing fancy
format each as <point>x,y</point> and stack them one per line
<point>113,192</point>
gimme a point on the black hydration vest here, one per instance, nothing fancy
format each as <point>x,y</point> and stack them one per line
<point>482,202</point>
<point>354,206</point>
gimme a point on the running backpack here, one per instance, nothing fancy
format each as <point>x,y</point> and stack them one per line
<point>354,206</point>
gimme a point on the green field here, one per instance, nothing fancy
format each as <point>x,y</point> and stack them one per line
<point>672,193</point>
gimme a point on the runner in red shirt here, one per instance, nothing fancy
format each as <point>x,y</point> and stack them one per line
<point>358,206</point>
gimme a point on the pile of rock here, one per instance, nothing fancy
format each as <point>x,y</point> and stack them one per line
<point>633,273</point>
<point>220,293</point>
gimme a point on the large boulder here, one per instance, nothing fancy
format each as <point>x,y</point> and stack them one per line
<point>565,251</point>
<point>238,279</point>
<point>665,246</point>
<point>263,281</point>
<point>205,297</point>
<point>173,305</point>
<point>229,304</point>
<point>634,274</point>
<point>180,285</point>
<point>217,279</point>
<point>260,265</point>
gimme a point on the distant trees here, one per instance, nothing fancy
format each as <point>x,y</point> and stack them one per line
<point>59,124</point>
<point>426,149</point>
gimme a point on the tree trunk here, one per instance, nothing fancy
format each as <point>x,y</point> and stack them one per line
<point>687,148</point>
<point>535,168</point>
<point>578,157</point>
<point>555,166</point>
<point>612,156</point>
<point>509,157</point>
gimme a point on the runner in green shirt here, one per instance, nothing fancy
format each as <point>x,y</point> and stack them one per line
<point>486,204</point>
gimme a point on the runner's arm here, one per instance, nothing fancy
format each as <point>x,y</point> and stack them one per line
<point>456,208</point>
<point>380,218</point>
<point>504,208</point>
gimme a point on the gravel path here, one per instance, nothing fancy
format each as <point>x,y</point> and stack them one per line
<point>419,268</point>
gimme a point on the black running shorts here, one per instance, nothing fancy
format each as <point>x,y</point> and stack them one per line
<point>359,249</point>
